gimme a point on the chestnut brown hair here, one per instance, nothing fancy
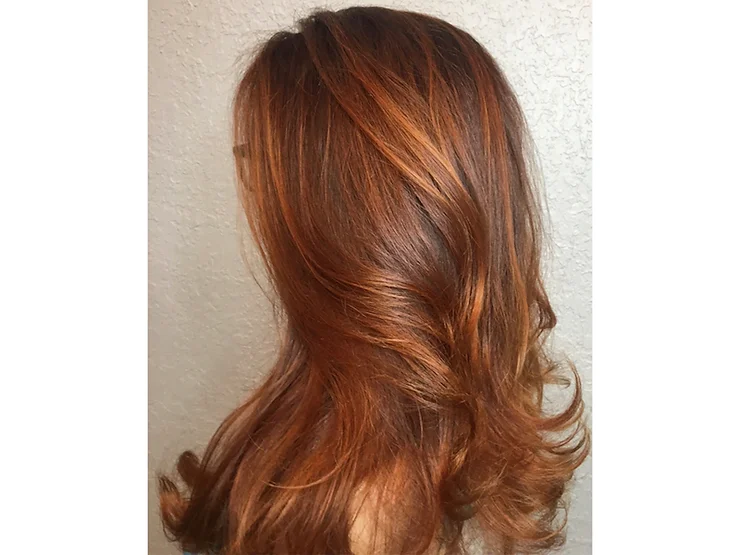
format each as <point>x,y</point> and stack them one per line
<point>383,165</point>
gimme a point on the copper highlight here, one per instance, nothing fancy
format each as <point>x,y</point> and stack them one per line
<point>383,165</point>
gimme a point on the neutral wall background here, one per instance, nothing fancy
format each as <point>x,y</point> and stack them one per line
<point>211,333</point>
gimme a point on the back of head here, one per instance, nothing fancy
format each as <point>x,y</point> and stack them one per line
<point>382,162</point>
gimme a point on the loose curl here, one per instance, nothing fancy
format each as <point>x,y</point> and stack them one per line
<point>382,161</point>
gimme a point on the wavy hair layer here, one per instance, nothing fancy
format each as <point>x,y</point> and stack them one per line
<point>382,158</point>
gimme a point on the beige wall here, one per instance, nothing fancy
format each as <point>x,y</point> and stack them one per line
<point>210,328</point>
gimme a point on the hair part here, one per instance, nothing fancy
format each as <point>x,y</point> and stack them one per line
<point>383,166</point>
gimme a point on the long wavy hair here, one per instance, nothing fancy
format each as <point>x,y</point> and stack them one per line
<point>383,165</point>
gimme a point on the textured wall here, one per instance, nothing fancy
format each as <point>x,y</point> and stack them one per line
<point>211,333</point>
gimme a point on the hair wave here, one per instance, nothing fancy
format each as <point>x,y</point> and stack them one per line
<point>383,166</point>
